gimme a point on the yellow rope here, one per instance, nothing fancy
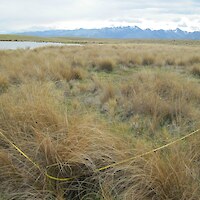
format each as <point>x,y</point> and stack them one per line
<point>59,179</point>
<point>148,152</point>
<point>20,151</point>
<point>102,168</point>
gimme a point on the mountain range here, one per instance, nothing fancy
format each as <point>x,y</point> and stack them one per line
<point>127,32</point>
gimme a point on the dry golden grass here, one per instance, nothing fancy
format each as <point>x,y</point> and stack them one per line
<point>196,70</point>
<point>68,63</point>
<point>51,103</point>
<point>164,96</point>
<point>4,84</point>
<point>108,93</point>
<point>106,65</point>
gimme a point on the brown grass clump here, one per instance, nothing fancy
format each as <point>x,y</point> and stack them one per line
<point>148,60</point>
<point>71,73</point>
<point>29,106</point>
<point>196,70</point>
<point>34,122</point>
<point>76,74</point>
<point>170,178</point>
<point>4,84</point>
<point>194,60</point>
<point>106,65</point>
<point>108,93</point>
<point>171,61</point>
<point>162,175</point>
<point>163,96</point>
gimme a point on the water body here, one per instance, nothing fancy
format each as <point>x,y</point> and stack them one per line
<point>5,45</point>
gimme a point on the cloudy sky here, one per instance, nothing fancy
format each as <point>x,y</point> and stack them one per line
<point>25,15</point>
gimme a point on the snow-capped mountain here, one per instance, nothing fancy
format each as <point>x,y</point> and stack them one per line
<point>119,32</point>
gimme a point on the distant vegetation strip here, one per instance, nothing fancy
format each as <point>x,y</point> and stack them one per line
<point>82,40</point>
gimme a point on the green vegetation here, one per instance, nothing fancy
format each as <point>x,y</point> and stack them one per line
<point>75,109</point>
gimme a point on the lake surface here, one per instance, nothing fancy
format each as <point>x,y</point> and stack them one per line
<point>4,45</point>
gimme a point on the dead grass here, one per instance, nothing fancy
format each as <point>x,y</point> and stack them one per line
<point>194,60</point>
<point>36,124</point>
<point>196,70</point>
<point>72,63</point>
<point>4,84</point>
<point>148,60</point>
<point>171,61</point>
<point>108,93</point>
<point>51,107</point>
<point>106,65</point>
<point>162,96</point>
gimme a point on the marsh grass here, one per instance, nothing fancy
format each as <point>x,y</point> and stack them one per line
<point>50,107</point>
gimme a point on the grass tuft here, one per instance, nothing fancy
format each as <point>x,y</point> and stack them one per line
<point>106,65</point>
<point>196,70</point>
<point>148,60</point>
<point>4,84</point>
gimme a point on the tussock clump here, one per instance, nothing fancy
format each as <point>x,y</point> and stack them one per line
<point>106,65</point>
<point>148,60</point>
<point>4,84</point>
<point>29,106</point>
<point>97,84</point>
<point>170,61</point>
<point>31,117</point>
<point>163,96</point>
<point>169,176</point>
<point>155,176</point>
<point>108,93</point>
<point>76,74</point>
<point>129,59</point>
<point>66,72</point>
<point>194,60</point>
<point>79,145</point>
<point>196,70</point>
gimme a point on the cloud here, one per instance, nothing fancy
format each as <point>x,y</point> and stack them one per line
<point>183,25</point>
<point>16,15</point>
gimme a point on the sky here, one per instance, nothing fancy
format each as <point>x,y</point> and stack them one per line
<point>32,15</point>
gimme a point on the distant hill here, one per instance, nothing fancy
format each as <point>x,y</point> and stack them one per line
<point>118,32</point>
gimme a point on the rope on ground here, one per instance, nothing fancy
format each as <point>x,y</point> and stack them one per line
<point>99,169</point>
